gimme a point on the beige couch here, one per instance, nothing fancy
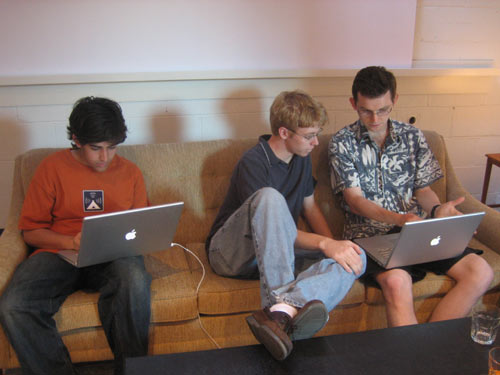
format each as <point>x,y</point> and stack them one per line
<point>198,174</point>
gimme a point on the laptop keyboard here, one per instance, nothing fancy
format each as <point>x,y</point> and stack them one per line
<point>385,253</point>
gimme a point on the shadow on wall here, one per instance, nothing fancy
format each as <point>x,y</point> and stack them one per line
<point>159,127</point>
<point>14,138</point>
<point>241,114</point>
<point>168,128</point>
<point>14,141</point>
<point>246,114</point>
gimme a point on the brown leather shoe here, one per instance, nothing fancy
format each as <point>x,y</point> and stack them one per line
<point>271,329</point>
<point>310,319</point>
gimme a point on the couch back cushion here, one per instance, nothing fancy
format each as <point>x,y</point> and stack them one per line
<point>198,173</point>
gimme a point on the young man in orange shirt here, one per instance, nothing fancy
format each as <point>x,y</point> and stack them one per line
<point>69,185</point>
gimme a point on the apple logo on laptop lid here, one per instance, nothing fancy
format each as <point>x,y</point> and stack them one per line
<point>435,241</point>
<point>131,235</point>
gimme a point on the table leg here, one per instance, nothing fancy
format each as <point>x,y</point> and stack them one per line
<point>486,182</point>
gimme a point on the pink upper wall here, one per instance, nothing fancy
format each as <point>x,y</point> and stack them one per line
<point>127,36</point>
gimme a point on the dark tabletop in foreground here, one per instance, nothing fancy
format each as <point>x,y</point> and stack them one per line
<point>435,348</point>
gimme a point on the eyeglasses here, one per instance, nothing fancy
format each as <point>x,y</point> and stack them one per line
<point>381,112</point>
<point>308,137</point>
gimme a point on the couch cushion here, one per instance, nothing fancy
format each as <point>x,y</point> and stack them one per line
<point>197,173</point>
<point>329,205</point>
<point>173,296</point>
<point>438,147</point>
<point>223,295</point>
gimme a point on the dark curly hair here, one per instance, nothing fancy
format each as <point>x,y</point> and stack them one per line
<point>96,120</point>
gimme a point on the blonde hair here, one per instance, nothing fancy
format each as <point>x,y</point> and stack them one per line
<point>296,109</point>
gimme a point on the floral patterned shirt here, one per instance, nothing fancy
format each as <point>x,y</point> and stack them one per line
<point>387,176</point>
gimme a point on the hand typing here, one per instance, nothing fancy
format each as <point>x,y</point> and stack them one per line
<point>404,218</point>
<point>76,241</point>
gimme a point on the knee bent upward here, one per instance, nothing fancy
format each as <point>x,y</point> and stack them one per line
<point>395,281</point>
<point>269,196</point>
<point>130,274</point>
<point>137,280</point>
<point>477,271</point>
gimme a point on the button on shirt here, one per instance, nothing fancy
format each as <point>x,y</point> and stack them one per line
<point>387,176</point>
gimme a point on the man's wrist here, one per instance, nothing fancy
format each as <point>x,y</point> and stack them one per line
<point>400,219</point>
<point>323,243</point>
<point>433,211</point>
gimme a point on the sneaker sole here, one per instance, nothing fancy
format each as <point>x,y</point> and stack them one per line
<point>309,322</point>
<point>265,335</point>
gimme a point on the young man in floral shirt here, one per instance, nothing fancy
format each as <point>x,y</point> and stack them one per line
<point>383,169</point>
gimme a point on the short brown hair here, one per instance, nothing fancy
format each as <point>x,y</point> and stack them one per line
<point>372,82</point>
<point>296,109</point>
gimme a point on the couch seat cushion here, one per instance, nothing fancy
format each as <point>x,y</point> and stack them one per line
<point>173,294</point>
<point>222,295</point>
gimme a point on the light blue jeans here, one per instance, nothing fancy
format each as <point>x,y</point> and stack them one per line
<point>257,241</point>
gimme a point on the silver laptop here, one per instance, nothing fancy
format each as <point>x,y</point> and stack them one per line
<point>125,233</point>
<point>422,241</point>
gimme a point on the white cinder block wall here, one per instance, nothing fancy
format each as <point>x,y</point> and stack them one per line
<point>462,105</point>
<point>464,33</point>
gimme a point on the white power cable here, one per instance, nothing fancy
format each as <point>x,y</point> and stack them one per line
<point>197,290</point>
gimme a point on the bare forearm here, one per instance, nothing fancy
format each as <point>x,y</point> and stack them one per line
<point>47,239</point>
<point>346,253</point>
<point>427,198</point>
<point>310,241</point>
<point>321,230</point>
<point>364,207</point>
<point>317,221</point>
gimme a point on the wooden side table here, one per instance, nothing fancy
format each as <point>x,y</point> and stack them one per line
<point>492,159</point>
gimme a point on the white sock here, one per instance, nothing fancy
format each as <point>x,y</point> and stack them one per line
<point>283,307</point>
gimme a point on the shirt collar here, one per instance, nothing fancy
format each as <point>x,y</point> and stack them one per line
<point>271,156</point>
<point>363,135</point>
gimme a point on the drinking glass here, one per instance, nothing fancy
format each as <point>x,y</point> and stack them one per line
<point>485,321</point>
<point>494,361</point>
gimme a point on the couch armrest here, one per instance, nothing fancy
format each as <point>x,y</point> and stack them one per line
<point>13,249</point>
<point>489,229</point>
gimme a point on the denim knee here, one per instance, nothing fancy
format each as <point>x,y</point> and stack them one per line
<point>138,281</point>
<point>133,276</point>
<point>9,303</point>
<point>270,197</point>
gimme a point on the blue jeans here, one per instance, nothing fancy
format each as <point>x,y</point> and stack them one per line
<point>41,284</point>
<point>257,241</point>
